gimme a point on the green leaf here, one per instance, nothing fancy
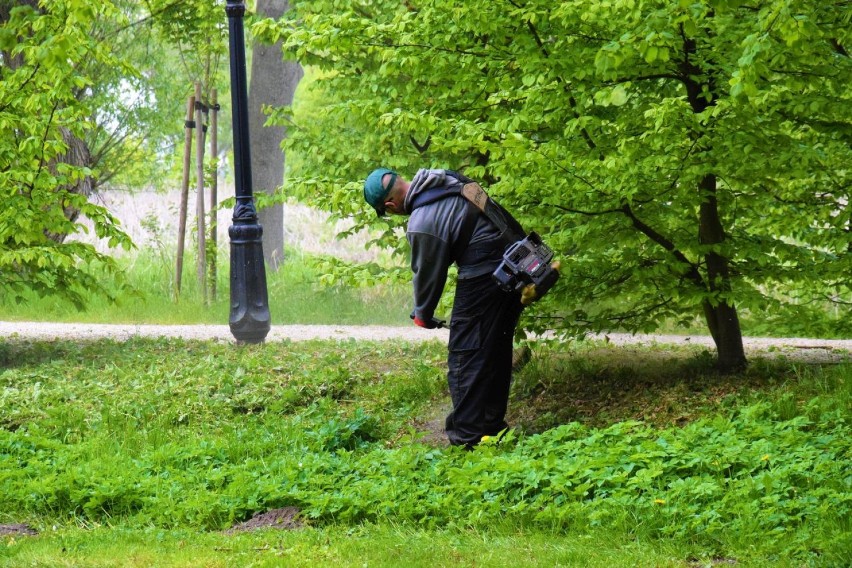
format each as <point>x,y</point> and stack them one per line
<point>618,96</point>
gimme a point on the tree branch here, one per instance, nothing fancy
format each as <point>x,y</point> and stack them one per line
<point>643,78</point>
<point>426,47</point>
<point>41,162</point>
<point>152,14</point>
<point>838,47</point>
<point>693,274</point>
<point>588,213</point>
<point>36,69</point>
<point>421,148</point>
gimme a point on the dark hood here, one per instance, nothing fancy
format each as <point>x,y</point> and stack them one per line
<point>423,180</point>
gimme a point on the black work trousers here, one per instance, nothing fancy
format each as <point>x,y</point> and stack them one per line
<point>480,359</point>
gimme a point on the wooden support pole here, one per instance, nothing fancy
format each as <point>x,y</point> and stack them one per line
<point>199,201</point>
<point>214,191</point>
<point>184,191</point>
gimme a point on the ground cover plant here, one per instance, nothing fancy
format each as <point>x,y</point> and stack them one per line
<point>149,451</point>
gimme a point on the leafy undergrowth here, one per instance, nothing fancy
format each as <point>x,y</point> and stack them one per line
<point>664,385</point>
<point>201,435</point>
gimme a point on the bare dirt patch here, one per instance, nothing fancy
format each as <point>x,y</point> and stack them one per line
<point>430,427</point>
<point>286,518</point>
<point>661,384</point>
<point>17,530</point>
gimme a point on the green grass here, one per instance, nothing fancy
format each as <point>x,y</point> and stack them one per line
<point>370,545</point>
<point>141,453</point>
<point>296,296</point>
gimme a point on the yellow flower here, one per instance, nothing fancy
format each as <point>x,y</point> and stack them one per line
<point>486,438</point>
<point>765,458</point>
<point>660,501</point>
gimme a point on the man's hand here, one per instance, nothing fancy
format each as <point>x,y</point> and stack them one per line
<point>431,323</point>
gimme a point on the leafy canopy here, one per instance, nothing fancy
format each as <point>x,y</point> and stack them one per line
<point>40,111</point>
<point>596,123</point>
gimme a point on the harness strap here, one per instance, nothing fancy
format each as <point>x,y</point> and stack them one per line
<point>509,228</point>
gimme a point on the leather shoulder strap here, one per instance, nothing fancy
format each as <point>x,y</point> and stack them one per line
<point>504,220</point>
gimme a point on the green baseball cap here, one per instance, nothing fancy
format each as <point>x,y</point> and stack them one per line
<point>374,192</point>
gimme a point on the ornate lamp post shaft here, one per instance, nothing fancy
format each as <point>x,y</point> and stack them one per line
<point>249,319</point>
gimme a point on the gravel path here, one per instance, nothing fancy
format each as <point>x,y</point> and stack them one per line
<point>85,331</point>
<point>800,348</point>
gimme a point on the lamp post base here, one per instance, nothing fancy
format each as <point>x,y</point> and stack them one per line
<point>249,319</point>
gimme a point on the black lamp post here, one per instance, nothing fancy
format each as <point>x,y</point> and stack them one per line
<point>249,319</point>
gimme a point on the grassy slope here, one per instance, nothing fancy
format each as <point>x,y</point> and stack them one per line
<point>164,441</point>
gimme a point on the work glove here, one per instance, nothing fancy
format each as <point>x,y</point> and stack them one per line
<point>431,323</point>
<point>529,293</point>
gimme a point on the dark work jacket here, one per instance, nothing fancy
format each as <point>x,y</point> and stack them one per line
<point>434,232</point>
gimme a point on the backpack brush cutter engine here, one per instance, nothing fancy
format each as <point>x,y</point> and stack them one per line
<point>527,262</point>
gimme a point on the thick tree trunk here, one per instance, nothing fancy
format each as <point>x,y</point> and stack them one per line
<point>720,312</point>
<point>721,315</point>
<point>7,5</point>
<point>78,155</point>
<point>273,82</point>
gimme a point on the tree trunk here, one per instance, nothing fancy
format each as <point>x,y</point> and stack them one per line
<point>721,315</point>
<point>273,82</point>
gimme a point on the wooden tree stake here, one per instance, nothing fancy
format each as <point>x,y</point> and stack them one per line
<point>199,201</point>
<point>184,191</point>
<point>214,187</point>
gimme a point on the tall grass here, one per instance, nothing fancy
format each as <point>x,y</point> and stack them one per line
<point>295,297</point>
